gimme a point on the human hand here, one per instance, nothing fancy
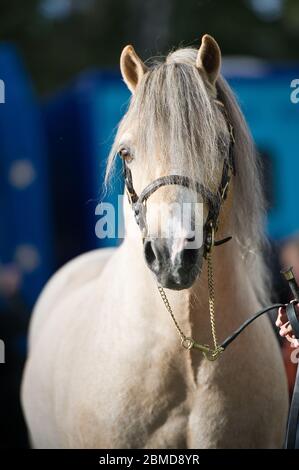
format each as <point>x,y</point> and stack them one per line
<point>285,328</point>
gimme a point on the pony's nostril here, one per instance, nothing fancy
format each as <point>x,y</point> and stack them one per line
<point>189,257</point>
<point>149,253</point>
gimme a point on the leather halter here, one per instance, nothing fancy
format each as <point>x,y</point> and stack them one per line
<point>214,201</point>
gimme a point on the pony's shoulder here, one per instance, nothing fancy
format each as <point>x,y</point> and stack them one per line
<point>67,280</point>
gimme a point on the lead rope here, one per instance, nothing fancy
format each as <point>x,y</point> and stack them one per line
<point>187,342</point>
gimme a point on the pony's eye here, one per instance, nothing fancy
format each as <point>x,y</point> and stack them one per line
<point>125,154</point>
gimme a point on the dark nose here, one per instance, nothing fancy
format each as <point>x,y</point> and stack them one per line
<point>156,254</point>
<point>173,273</point>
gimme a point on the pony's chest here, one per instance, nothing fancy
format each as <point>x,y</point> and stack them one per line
<point>137,406</point>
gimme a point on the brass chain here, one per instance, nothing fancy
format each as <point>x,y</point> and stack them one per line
<point>211,288</point>
<point>187,342</point>
<point>168,307</point>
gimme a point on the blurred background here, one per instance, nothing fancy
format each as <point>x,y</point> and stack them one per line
<point>61,99</point>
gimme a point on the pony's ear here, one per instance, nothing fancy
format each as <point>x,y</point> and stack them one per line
<point>209,58</point>
<point>132,68</point>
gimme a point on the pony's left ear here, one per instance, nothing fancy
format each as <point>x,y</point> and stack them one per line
<point>132,68</point>
<point>209,58</point>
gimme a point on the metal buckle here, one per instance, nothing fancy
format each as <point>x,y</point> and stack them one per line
<point>225,191</point>
<point>129,195</point>
<point>210,238</point>
<point>209,353</point>
<point>140,216</point>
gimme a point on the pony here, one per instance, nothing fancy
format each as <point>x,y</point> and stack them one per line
<point>105,367</point>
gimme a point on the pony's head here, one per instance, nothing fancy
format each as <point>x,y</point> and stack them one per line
<point>177,123</point>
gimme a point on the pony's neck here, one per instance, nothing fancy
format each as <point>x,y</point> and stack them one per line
<point>234,296</point>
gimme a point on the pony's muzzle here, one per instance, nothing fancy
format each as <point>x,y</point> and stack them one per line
<point>173,270</point>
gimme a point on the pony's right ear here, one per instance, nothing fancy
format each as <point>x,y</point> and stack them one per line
<point>132,68</point>
<point>209,58</point>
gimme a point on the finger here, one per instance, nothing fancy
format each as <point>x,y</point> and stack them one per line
<point>294,342</point>
<point>289,338</point>
<point>281,317</point>
<point>285,329</point>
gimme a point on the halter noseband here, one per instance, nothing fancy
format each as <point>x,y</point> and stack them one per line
<point>214,201</point>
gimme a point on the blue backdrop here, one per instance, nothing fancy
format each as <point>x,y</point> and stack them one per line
<point>53,156</point>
